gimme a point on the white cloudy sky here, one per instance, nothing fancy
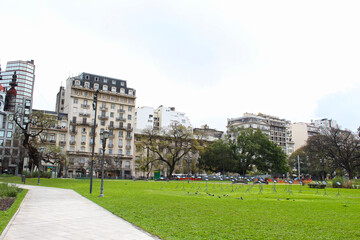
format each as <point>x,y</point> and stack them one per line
<point>213,60</point>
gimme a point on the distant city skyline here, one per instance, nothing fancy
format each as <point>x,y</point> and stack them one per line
<point>211,60</point>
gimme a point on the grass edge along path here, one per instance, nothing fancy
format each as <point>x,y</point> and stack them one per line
<point>6,216</point>
<point>171,212</point>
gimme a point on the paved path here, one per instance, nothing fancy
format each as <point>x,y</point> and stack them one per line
<point>53,213</point>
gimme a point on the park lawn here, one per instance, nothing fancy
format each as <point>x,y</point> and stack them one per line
<point>177,210</point>
<point>5,216</point>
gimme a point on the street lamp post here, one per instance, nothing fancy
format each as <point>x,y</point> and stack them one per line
<point>188,160</point>
<point>93,141</point>
<point>323,162</point>
<point>103,136</point>
<point>41,150</point>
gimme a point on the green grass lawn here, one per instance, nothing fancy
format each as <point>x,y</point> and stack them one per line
<point>171,212</point>
<point>5,216</point>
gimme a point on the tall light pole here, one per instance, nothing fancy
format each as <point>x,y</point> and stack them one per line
<point>103,136</point>
<point>93,141</point>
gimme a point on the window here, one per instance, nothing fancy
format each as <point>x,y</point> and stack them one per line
<point>105,80</point>
<point>120,151</point>
<point>74,109</point>
<point>87,84</point>
<point>113,89</point>
<point>102,123</point>
<point>77,83</point>
<point>110,151</point>
<point>85,94</point>
<point>129,117</point>
<point>120,133</point>
<point>130,92</point>
<point>105,87</point>
<point>83,139</point>
<point>9,134</point>
<point>130,109</point>
<point>75,100</point>
<point>2,133</point>
<point>52,138</point>
<point>96,79</point>
<point>122,90</point>
<point>111,114</point>
<point>87,77</point>
<point>120,142</point>
<point>113,82</point>
<point>76,92</point>
<point>112,106</point>
<point>82,149</point>
<point>122,83</point>
<point>1,142</point>
<point>96,86</point>
<point>85,102</point>
<point>63,124</point>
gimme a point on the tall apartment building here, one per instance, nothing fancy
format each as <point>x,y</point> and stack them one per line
<point>60,100</point>
<point>302,131</point>
<point>159,118</point>
<point>115,113</point>
<point>25,72</point>
<point>278,130</point>
<point>17,85</point>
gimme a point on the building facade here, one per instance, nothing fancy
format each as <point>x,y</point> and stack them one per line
<point>159,118</point>
<point>278,130</point>
<point>115,113</point>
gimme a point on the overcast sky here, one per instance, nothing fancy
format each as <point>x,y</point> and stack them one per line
<point>213,60</point>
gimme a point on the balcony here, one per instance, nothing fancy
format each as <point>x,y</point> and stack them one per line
<point>72,142</point>
<point>85,105</point>
<point>73,131</point>
<point>84,114</point>
<point>110,145</point>
<point>92,125</point>
<point>128,146</point>
<point>129,128</point>
<point>111,136</point>
<point>103,108</point>
<point>83,123</point>
<point>62,143</point>
<point>83,143</point>
<point>103,117</point>
<point>121,111</point>
<point>111,127</point>
<point>52,141</point>
<point>121,119</point>
<point>128,137</point>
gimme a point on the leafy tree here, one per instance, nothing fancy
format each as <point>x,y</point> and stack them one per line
<point>169,146</point>
<point>217,157</point>
<point>243,150</point>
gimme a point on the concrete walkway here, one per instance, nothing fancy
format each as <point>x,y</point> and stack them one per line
<point>52,213</point>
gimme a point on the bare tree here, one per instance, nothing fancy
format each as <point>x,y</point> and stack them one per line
<point>340,148</point>
<point>39,120</point>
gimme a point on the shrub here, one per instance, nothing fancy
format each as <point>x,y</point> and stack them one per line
<point>45,174</point>
<point>8,190</point>
<point>337,179</point>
